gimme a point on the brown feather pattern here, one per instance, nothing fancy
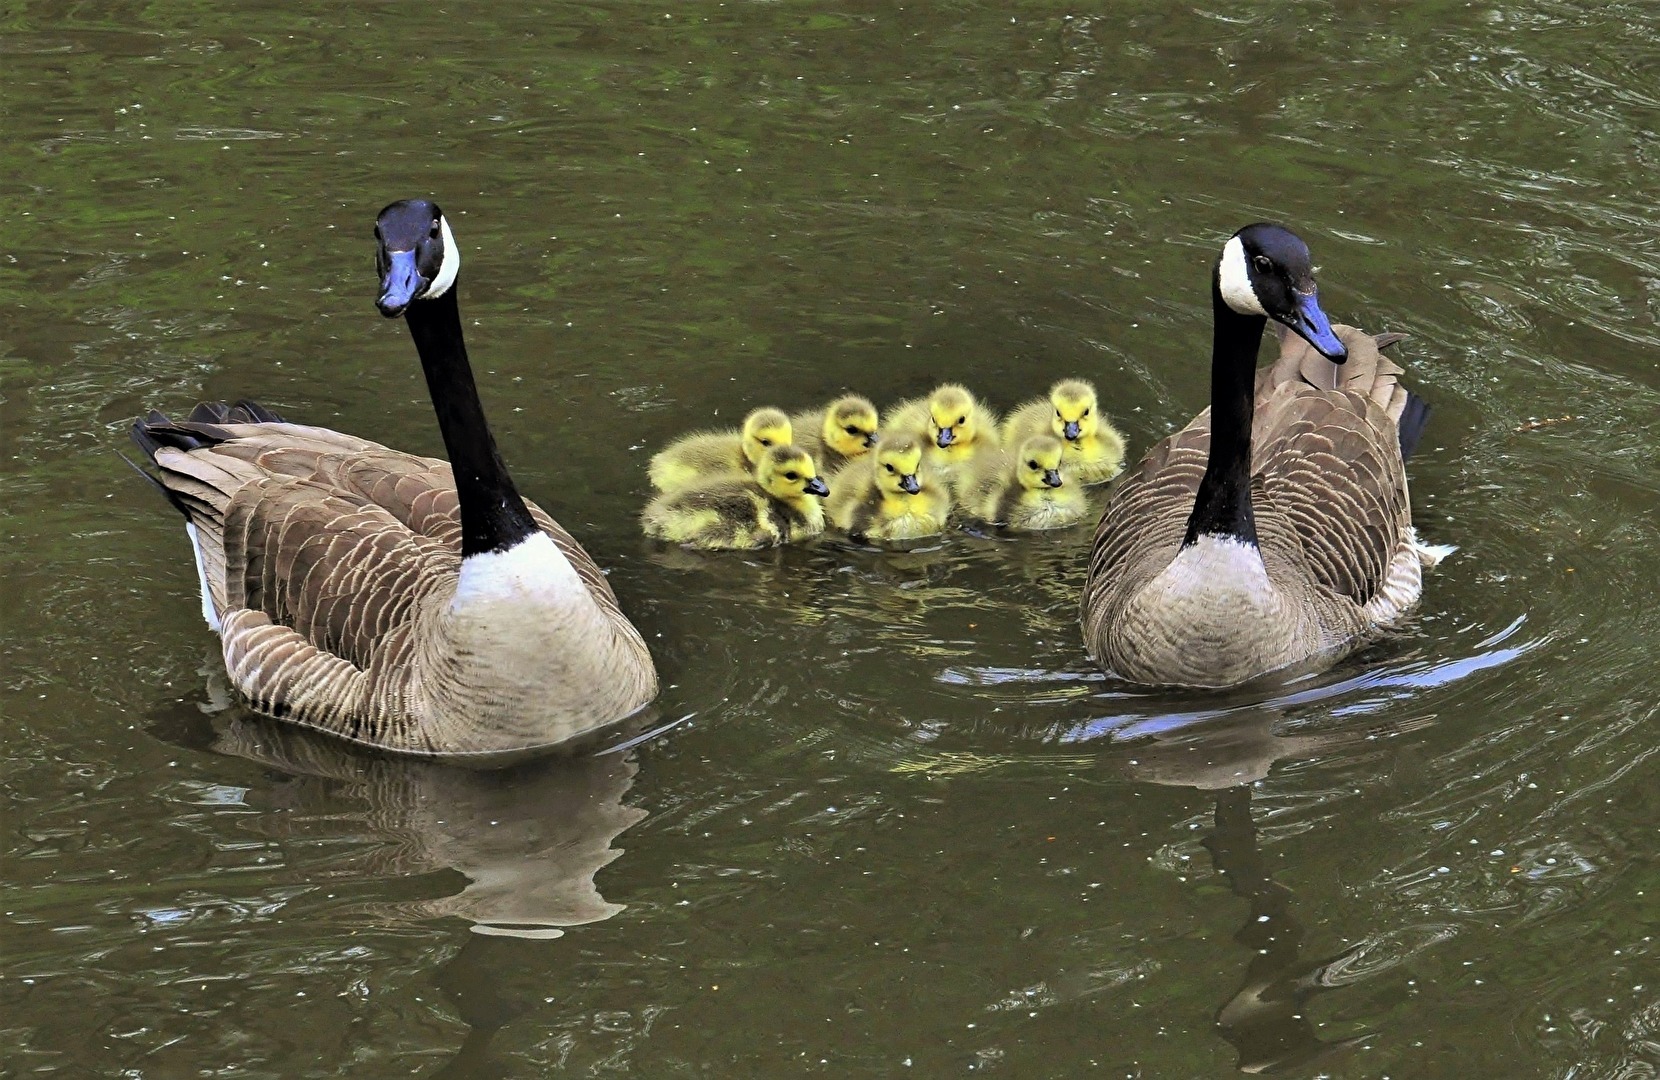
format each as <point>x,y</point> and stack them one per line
<point>331,562</point>
<point>1334,526</point>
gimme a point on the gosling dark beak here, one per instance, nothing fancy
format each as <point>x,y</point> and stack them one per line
<point>1072,430</point>
<point>909,484</point>
<point>401,284</point>
<point>870,439</point>
<point>1051,478</point>
<point>1311,324</point>
<point>946,437</point>
<point>818,487</point>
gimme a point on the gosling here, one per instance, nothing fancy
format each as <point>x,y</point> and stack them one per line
<point>706,456</point>
<point>839,433</point>
<point>892,494</point>
<point>958,427</point>
<point>1094,449</point>
<point>778,505</point>
<point>1027,490</point>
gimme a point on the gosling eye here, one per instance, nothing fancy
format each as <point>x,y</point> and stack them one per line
<point>1033,464</point>
<point>886,466</point>
<point>851,429</point>
<point>792,475</point>
<point>1264,263</point>
<point>962,420</point>
<point>1085,412</point>
<point>1058,413</point>
<point>765,442</point>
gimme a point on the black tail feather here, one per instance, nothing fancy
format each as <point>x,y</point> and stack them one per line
<point>157,430</point>
<point>1414,418</point>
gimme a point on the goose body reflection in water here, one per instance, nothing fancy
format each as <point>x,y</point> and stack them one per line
<point>1266,1019</point>
<point>528,839</point>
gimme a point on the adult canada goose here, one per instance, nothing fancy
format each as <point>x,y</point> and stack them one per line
<point>402,602</point>
<point>1275,528</point>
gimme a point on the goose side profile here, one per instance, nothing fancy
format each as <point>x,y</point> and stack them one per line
<point>1094,449</point>
<point>892,494</point>
<point>778,505</point>
<point>704,456</point>
<point>840,432</point>
<point>956,427</point>
<point>410,604</point>
<point>1028,489</point>
<point>1274,529</point>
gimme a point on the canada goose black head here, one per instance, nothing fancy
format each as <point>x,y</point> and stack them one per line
<point>416,255</point>
<point>1265,269</point>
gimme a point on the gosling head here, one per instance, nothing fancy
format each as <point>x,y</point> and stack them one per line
<point>1075,409</point>
<point>415,255</point>
<point>898,460</point>
<point>1038,465</point>
<point>951,419</point>
<point>850,425</point>
<point>1265,269</point>
<point>788,472</point>
<point>763,430</point>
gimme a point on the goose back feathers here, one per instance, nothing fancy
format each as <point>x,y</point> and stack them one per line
<point>1335,556</point>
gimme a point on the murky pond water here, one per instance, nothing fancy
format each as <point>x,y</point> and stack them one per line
<point>907,830</point>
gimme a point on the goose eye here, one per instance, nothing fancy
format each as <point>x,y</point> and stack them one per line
<point>792,475</point>
<point>1085,412</point>
<point>1033,464</point>
<point>766,442</point>
<point>851,429</point>
<point>435,230</point>
<point>1264,263</point>
<point>961,420</point>
<point>886,466</point>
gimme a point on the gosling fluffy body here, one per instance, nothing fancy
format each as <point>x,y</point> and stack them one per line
<point>956,428</point>
<point>1027,489</point>
<point>892,494</point>
<point>839,433</point>
<point>778,505</point>
<point>1093,448</point>
<point>706,456</point>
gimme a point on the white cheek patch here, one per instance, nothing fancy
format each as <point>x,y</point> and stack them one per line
<point>1234,279</point>
<point>449,267</point>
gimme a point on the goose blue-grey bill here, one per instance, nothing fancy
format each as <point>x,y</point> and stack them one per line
<point>1312,326</point>
<point>403,282</point>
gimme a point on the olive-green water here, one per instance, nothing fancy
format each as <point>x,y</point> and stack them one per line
<point>907,830</point>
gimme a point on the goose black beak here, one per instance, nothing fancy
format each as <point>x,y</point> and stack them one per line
<point>818,487</point>
<point>1311,324</point>
<point>1072,430</point>
<point>870,439</point>
<point>1051,478</point>
<point>946,437</point>
<point>909,484</point>
<point>401,283</point>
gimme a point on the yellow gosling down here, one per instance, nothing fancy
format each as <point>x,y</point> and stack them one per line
<point>704,456</point>
<point>778,505</point>
<point>1028,489</point>
<point>957,429</point>
<point>1071,413</point>
<point>835,435</point>
<point>892,494</point>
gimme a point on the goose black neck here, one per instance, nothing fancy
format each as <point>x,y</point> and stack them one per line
<point>493,516</point>
<point>1222,506</point>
